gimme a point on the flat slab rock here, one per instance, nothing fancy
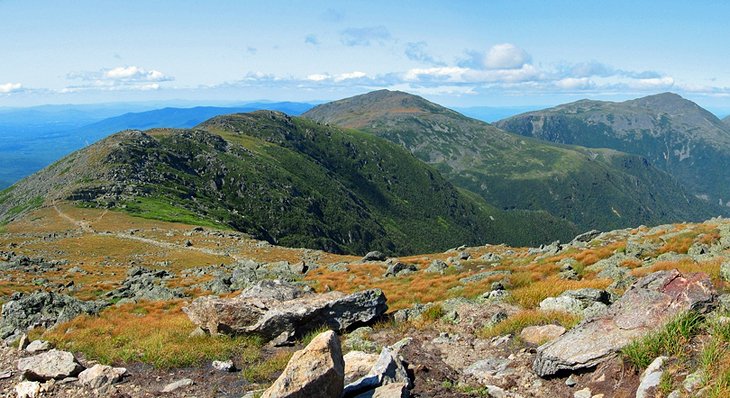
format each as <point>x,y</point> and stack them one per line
<point>646,306</point>
<point>53,364</point>
<point>271,318</point>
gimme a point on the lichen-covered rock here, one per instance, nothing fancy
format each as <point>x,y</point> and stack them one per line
<point>646,306</point>
<point>42,309</point>
<point>269,318</point>
<point>316,371</point>
<point>53,364</point>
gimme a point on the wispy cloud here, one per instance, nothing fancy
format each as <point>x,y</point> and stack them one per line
<point>311,39</point>
<point>365,36</point>
<point>119,78</point>
<point>506,56</point>
<point>418,52</point>
<point>9,88</point>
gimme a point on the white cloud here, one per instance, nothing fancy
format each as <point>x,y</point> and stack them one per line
<point>134,73</point>
<point>350,75</point>
<point>653,83</point>
<point>318,77</point>
<point>506,56</point>
<point>8,88</point>
<point>574,83</point>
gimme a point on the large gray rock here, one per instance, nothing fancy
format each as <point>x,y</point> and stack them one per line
<point>647,306</point>
<point>42,309</point>
<point>277,290</point>
<point>53,364</point>
<point>316,371</point>
<point>270,318</point>
<point>580,302</point>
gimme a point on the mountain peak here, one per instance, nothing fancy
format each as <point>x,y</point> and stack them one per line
<point>360,110</point>
<point>665,102</point>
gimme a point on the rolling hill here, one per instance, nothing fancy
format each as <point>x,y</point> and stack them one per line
<point>287,180</point>
<point>674,134</point>
<point>593,188</point>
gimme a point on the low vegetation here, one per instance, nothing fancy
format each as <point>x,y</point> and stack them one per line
<point>157,333</point>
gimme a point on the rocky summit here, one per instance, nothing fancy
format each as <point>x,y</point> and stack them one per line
<point>174,309</point>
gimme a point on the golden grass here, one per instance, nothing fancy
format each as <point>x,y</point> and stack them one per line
<point>530,296</point>
<point>593,255</point>
<point>515,323</point>
<point>156,333</point>
<point>711,268</point>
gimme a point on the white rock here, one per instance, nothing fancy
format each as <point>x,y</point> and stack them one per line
<point>53,364</point>
<point>224,366</point>
<point>99,376</point>
<point>650,378</point>
<point>38,346</point>
<point>584,393</point>
<point>177,385</point>
<point>28,389</point>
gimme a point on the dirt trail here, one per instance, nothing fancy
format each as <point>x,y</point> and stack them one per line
<point>85,226</point>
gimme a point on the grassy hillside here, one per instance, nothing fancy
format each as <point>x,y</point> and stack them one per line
<point>591,188</point>
<point>674,134</point>
<point>286,180</point>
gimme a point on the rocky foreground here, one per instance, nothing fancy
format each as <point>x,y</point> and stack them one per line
<point>629,313</point>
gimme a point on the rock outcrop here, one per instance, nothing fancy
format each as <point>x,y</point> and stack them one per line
<point>316,371</point>
<point>271,318</point>
<point>42,309</point>
<point>646,306</point>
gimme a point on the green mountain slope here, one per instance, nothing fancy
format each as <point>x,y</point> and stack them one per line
<point>674,134</point>
<point>287,180</point>
<point>592,188</point>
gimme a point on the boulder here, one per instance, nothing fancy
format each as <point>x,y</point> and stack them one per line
<point>358,364</point>
<point>587,236</point>
<point>645,307</point>
<point>436,266</point>
<point>538,335</point>
<point>398,268</point>
<point>316,371</point>
<point>38,346</point>
<point>99,376</point>
<point>389,368</point>
<point>269,318</point>
<point>650,378</point>
<point>145,284</point>
<point>587,302</point>
<point>374,256</point>
<point>42,309</point>
<point>28,389</point>
<point>224,366</point>
<point>53,364</point>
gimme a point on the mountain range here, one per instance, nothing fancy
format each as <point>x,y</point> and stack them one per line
<point>386,171</point>
<point>35,137</point>
<point>287,180</point>
<point>592,188</point>
<point>674,134</point>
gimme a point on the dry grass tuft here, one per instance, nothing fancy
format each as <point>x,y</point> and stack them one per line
<point>530,295</point>
<point>156,333</point>
<point>515,323</point>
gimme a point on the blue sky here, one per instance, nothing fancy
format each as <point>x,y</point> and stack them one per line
<point>458,53</point>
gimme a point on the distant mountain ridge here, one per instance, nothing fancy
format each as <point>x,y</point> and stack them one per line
<point>593,188</point>
<point>34,138</point>
<point>283,179</point>
<point>674,134</point>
